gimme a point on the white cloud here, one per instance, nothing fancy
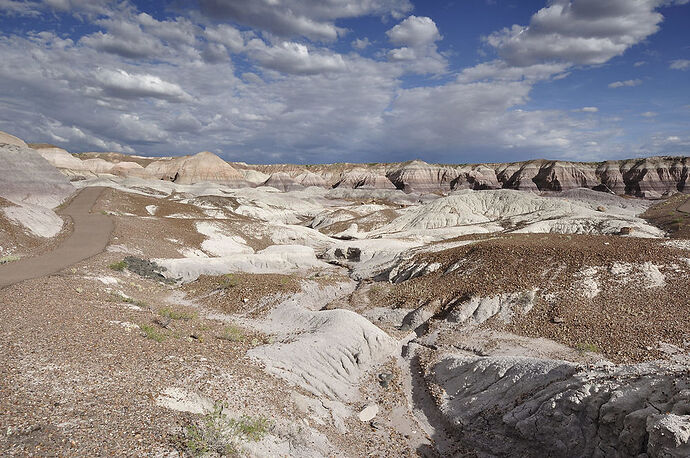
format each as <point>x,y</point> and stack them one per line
<point>639,63</point>
<point>680,64</point>
<point>417,37</point>
<point>626,83</point>
<point>415,32</point>
<point>120,84</point>
<point>361,43</point>
<point>18,8</point>
<point>588,110</point>
<point>296,58</point>
<point>314,19</point>
<point>578,31</point>
<point>649,114</point>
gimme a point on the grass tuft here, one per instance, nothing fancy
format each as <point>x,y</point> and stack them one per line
<point>232,334</point>
<point>216,433</point>
<point>228,281</point>
<point>167,312</point>
<point>151,333</point>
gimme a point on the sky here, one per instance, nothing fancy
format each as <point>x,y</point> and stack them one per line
<point>320,81</point>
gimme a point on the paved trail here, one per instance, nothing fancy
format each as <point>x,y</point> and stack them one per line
<point>90,235</point>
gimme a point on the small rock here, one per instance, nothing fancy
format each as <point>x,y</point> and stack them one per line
<point>601,208</point>
<point>558,320</point>
<point>625,230</point>
<point>368,413</point>
<point>245,300</point>
<point>385,378</point>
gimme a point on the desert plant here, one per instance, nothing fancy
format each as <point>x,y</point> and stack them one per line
<point>118,266</point>
<point>119,297</point>
<point>219,434</point>
<point>151,333</point>
<point>587,348</point>
<point>228,281</point>
<point>8,259</point>
<point>167,312</point>
<point>232,333</point>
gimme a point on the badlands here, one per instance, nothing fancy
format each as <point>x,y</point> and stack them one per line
<point>187,306</point>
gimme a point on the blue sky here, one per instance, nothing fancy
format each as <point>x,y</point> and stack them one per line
<point>315,81</point>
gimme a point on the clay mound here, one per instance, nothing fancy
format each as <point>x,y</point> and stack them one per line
<point>254,176</point>
<point>499,210</point>
<point>204,166</point>
<point>283,182</point>
<point>129,169</point>
<point>11,140</point>
<point>59,157</point>
<point>418,176</point>
<point>311,179</point>
<point>360,178</point>
<point>516,406</point>
<point>28,178</point>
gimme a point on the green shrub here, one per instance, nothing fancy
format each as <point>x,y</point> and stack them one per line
<point>118,266</point>
<point>228,281</point>
<point>219,434</point>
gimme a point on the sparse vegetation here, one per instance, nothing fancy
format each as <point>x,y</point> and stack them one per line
<point>167,312</point>
<point>151,332</point>
<point>119,297</point>
<point>8,259</point>
<point>228,281</point>
<point>118,266</point>
<point>587,348</point>
<point>233,334</point>
<point>219,434</point>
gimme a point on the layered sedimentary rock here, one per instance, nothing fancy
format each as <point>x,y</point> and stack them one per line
<point>283,182</point>
<point>204,166</point>
<point>361,178</point>
<point>311,179</point>
<point>418,176</point>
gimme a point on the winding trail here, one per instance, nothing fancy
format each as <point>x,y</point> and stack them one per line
<point>90,235</point>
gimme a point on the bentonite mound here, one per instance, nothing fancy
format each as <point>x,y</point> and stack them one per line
<point>418,176</point>
<point>360,178</point>
<point>311,179</point>
<point>27,178</point>
<point>204,166</point>
<point>283,182</point>
<point>519,406</point>
<point>11,140</point>
<point>59,157</point>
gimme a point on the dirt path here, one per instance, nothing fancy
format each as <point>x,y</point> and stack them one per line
<point>89,237</point>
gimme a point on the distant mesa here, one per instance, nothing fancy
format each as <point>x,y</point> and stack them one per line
<point>651,177</point>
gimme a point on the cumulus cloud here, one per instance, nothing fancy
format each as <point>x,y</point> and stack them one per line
<point>626,83</point>
<point>314,19</point>
<point>296,58</point>
<point>120,84</point>
<point>578,31</point>
<point>185,84</point>
<point>417,37</point>
<point>415,32</point>
<point>360,43</point>
<point>680,64</point>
